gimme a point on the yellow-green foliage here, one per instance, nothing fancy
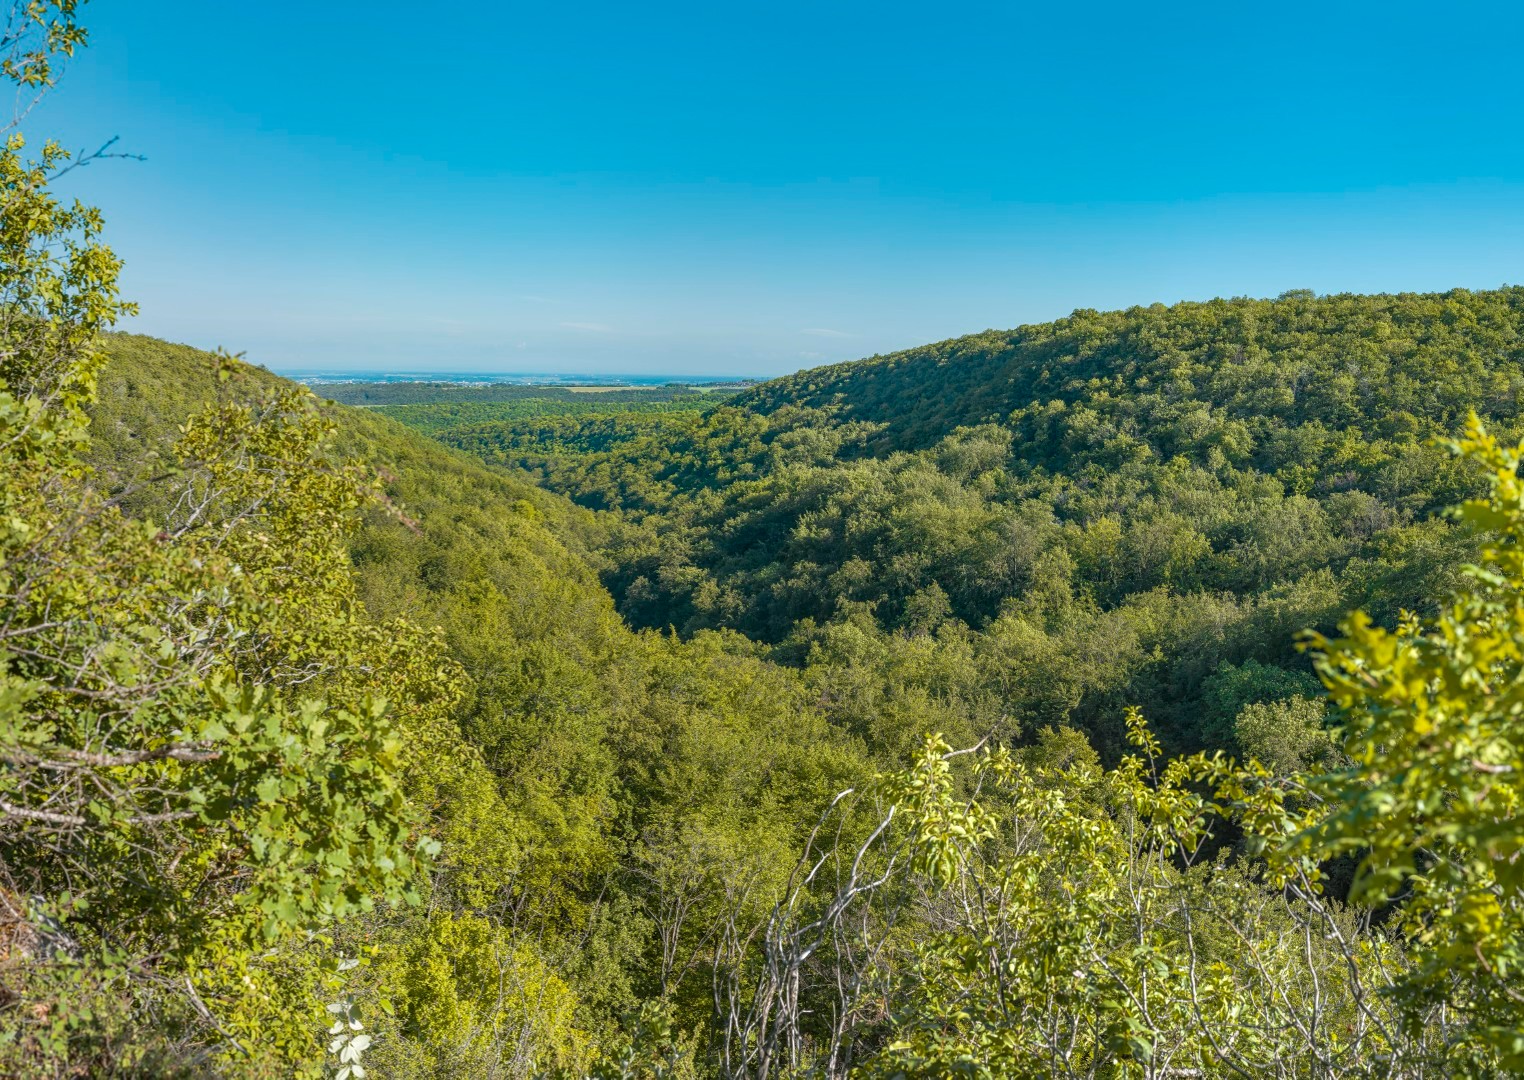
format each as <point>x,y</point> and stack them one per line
<point>601,794</point>
<point>202,731</point>
<point>205,735</point>
<point>1432,802</point>
<point>476,1002</point>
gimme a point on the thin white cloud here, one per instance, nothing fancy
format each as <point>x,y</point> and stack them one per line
<point>591,327</point>
<point>822,331</point>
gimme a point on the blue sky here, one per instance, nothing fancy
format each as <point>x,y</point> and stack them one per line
<point>754,188</point>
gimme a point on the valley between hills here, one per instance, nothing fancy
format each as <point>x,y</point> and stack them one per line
<point>653,634</point>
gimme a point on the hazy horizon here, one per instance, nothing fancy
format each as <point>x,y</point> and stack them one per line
<point>486,376</point>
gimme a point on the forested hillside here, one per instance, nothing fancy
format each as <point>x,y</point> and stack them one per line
<point>583,765</point>
<point>1153,501</point>
<point>997,709</point>
<point>1180,379</point>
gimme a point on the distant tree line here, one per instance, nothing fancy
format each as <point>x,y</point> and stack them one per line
<point>445,393</point>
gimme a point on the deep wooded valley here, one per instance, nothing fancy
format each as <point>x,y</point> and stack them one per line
<point>1136,694</point>
<point>668,639</point>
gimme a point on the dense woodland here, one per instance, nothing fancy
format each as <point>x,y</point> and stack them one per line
<point>1138,507</point>
<point>1131,695</point>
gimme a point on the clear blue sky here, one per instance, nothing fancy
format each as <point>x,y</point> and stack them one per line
<point>751,188</point>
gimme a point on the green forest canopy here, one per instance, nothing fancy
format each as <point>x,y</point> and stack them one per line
<point>558,692</point>
<point>613,789</point>
<point>792,736</point>
<point>1151,501</point>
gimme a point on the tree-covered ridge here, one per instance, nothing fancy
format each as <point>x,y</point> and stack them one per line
<point>1183,378</point>
<point>1203,480</point>
<point>1085,922</point>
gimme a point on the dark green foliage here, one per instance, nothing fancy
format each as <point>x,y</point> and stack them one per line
<point>1230,688</point>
